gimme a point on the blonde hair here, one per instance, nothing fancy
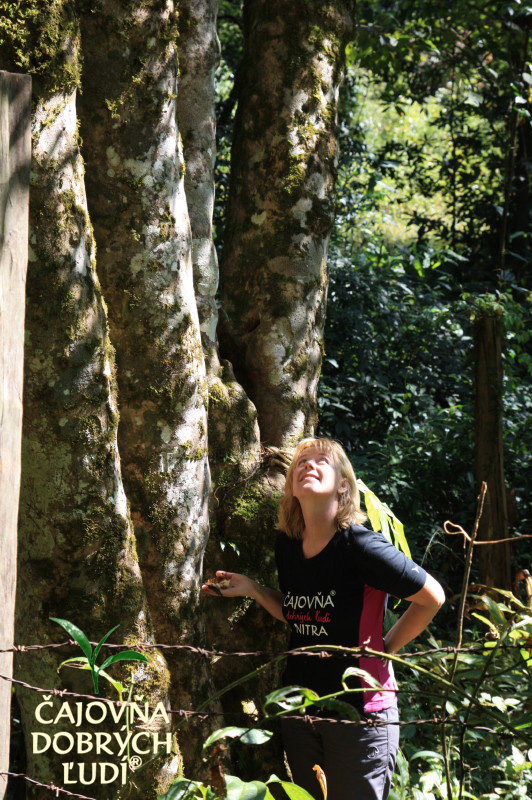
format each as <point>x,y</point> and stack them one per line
<point>290,514</point>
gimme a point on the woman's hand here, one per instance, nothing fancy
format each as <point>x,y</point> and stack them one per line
<point>240,585</point>
<point>423,607</point>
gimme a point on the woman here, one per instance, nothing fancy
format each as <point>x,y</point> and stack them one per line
<point>334,578</point>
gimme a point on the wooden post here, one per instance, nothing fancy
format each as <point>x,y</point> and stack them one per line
<point>15,155</point>
<point>493,560</point>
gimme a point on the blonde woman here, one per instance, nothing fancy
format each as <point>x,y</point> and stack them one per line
<point>334,578</point>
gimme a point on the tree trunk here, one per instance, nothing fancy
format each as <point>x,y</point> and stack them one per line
<point>273,289</point>
<point>199,51</point>
<point>15,155</point>
<point>281,208</point>
<point>153,226</point>
<point>494,560</point>
<point>135,184</point>
<point>77,554</point>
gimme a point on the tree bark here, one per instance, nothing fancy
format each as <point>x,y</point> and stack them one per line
<point>281,208</point>
<point>15,155</point>
<point>135,184</point>
<point>152,223</point>
<point>494,560</point>
<point>273,287</point>
<point>77,553</point>
<point>199,51</point>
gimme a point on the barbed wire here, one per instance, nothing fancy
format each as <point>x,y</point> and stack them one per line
<point>50,786</point>
<point>188,713</point>
<point>476,648</point>
<point>306,718</point>
<point>253,720</point>
<point>66,693</point>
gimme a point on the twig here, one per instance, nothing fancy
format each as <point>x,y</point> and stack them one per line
<point>466,536</point>
<point>460,631</point>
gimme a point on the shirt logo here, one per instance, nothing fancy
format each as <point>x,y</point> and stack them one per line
<point>415,569</point>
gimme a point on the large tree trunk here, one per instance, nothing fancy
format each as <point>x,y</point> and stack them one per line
<point>75,522</point>
<point>281,207</point>
<point>494,560</point>
<point>273,281</point>
<point>135,184</point>
<point>77,554</point>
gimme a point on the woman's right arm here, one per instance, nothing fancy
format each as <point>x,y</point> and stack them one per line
<point>242,586</point>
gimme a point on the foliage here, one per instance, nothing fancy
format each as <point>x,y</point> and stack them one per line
<point>432,228</point>
<point>89,659</point>
<point>231,38</point>
<point>492,760</point>
<point>236,789</point>
<point>484,707</point>
<point>383,519</point>
<point>432,224</point>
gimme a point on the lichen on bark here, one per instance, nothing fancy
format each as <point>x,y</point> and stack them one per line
<point>150,199</point>
<point>77,552</point>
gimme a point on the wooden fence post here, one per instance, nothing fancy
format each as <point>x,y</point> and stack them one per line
<point>15,155</point>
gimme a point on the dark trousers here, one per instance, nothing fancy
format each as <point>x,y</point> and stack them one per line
<point>358,760</point>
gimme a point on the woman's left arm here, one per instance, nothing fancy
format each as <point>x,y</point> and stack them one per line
<point>423,607</point>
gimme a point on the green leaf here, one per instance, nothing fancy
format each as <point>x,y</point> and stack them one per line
<point>340,707</point>
<point>79,659</point>
<point>98,646</point>
<point>76,634</point>
<point>246,735</point>
<point>373,512</point>
<point>181,789</point>
<point>360,673</point>
<point>293,791</point>
<point>120,688</point>
<point>238,790</point>
<point>515,600</point>
<point>125,655</point>
<point>85,664</point>
<point>487,622</point>
<point>289,697</point>
<point>382,519</point>
<point>400,538</point>
<point>494,610</point>
<point>427,754</point>
<point>385,524</point>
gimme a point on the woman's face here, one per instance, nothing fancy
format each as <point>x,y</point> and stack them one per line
<point>315,474</point>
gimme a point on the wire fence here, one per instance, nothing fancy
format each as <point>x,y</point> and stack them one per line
<point>438,719</point>
<point>440,716</point>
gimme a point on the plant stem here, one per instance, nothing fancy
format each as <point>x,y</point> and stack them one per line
<point>459,637</point>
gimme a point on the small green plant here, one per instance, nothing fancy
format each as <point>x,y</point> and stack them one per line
<point>89,659</point>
